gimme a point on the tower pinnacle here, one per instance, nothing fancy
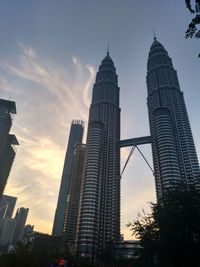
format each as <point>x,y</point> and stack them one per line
<point>108,50</point>
<point>154,34</point>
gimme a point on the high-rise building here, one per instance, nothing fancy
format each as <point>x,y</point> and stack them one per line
<point>20,220</point>
<point>99,220</point>
<point>28,234</point>
<point>75,136</point>
<point>7,141</point>
<point>73,200</point>
<point>7,205</point>
<point>8,228</point>
<point>174,156</point>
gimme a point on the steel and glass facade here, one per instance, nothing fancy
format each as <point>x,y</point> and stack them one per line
<point>73,199</point>
<point>20,221</point>
<point>75,136</point>
<point>7,205</point>
<point>99,220</point>
<point>174,155</point>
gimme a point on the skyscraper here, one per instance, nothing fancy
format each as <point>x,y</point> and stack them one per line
<point>174,156</point>
<point>20,220</point>
<point>7,141</point>
<point>73,200</point>
<point>99,220</point>
<point>75,136</point>
<point>7,205</point>
<point>6,236</point>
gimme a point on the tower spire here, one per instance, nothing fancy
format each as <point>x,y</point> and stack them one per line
<point>108,50</point>
<point>154,34</point>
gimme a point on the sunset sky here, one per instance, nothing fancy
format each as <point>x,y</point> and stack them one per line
<point>50,52</point>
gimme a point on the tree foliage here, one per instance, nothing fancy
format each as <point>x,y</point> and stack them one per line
<point>194,8</point>
<point>22,256</point>
<point>170,234</point>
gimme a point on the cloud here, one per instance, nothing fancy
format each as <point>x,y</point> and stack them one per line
<point>48,96</point>
<point>44,155</point>
<point>28,51</point>
<point>35,178</point>
<point>55,79</point>
<point>86,90</point>
<point>5,86</point>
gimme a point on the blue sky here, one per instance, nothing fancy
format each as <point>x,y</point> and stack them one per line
<point>50,52</point>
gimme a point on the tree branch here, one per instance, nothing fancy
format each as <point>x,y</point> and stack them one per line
<point>192,28</point>
<point>188,5</point>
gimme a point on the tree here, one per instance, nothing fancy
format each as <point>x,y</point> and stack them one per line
<point>20,249</point>
<point>192,30</point>
<point>170,234</point>
<point>22,256</point>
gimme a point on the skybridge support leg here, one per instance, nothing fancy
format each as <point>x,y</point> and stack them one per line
<point>134,142</point>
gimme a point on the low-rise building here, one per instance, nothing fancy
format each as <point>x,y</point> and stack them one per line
<point>126,249</point>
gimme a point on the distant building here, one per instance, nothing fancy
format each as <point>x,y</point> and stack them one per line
<point>45,243</point>
<point>75,136</point>
<point>7,205</point>
<point>6,237</point>
<point>126,249</point>
<point>73,200</point>
<point>20,220</point>
<point>7,141</point>
<point>28,234</point>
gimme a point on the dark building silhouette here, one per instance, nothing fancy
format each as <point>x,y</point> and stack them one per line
<point>7,141</point>
<point>28,234</point>
<point>73,200</point>
<point>75,136</point>
<point>7,205</point>
<point>44,243</point>
<point>7,230</point>
<point>127,249</point>
<point>174,155</point>
<point>99,220</point>
<point>20,221</point>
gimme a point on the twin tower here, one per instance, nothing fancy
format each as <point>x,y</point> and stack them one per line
<point>88,209</point>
